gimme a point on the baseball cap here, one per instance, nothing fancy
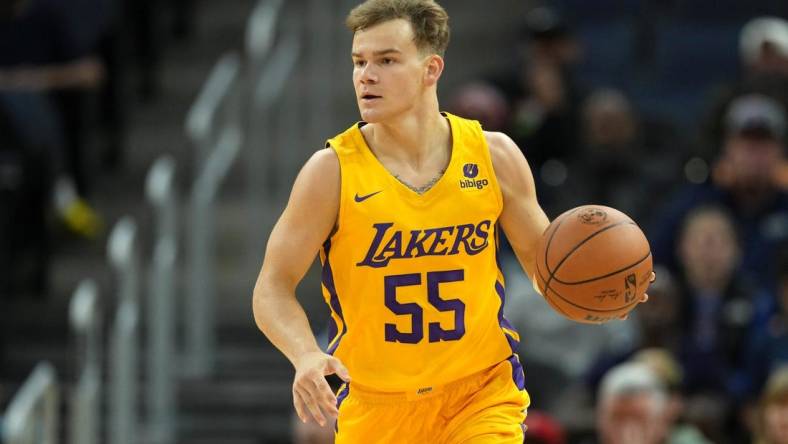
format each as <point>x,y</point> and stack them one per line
<point>757,115</point>
<point>756,32</point>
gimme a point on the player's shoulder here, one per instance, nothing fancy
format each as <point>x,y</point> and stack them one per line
<point>320,174</point>
<point>323,162</point>
<point>504,152</point>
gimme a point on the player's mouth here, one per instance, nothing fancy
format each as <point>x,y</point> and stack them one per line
<point>370,97</point>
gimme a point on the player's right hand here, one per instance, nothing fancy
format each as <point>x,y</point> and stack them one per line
<point>312,396</point>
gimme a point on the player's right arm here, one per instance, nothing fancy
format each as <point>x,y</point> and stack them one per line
<point>307,221</point>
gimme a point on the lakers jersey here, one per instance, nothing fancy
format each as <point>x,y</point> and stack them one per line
<point>412,280</point>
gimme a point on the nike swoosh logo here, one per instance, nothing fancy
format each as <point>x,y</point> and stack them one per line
<point>363,198</point>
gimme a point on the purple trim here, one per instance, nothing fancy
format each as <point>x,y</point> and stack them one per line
<point>499,288</point>
<point>498,249</point>
<point>502,321</point>
<point>336,307</point>
<point>332,329</point>
<point>518,376</point>
<point>341,397</point>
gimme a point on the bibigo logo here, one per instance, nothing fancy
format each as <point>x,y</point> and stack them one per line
<point>470,171</point>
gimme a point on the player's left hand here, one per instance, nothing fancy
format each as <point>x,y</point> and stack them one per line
<point>643,299</point>
<point>312,396</point>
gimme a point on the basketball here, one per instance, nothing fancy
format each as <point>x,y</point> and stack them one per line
<point>593,264</point>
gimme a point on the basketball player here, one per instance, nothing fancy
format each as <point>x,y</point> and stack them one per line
<point>404,209</point>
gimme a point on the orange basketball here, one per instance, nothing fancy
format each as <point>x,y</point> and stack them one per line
<point>593,264</point>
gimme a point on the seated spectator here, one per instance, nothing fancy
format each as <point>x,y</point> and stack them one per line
<point>718,309</point>
<point>633,406</point>
<point>619,164</point>
<point>763,55</point>
<point>744,184</point>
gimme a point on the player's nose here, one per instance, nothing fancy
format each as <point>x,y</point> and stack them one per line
<point>368,75</point>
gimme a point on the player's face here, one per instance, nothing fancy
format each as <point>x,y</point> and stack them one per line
<point>388,70</point>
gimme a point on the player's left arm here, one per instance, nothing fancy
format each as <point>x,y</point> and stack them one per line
<point>522,219</point>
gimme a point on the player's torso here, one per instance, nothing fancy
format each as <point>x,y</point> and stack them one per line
<point>411,279</point>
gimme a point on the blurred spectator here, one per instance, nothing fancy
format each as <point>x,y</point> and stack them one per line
<point>544,100</point>
<point>541,428</point>
<point>718,307</point>
<point>718,310</point>
<point>618,164</point>
<point>45,68</point>
<point>32,121</point>
<point>763,47</point>
<point>483,102</point>
<point>743,183</point>
<point>772,422</point>
<point>763,54</point>
<point>634,407</point>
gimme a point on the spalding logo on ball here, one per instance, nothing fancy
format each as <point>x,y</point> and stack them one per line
<point>592,216</point>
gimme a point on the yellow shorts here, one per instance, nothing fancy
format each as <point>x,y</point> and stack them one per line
<point>486,407</point>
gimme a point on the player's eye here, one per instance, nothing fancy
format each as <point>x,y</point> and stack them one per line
<point>358,63</point>
<point>386,61</point>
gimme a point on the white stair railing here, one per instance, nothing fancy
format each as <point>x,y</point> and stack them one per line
<point>32,415</point>
<point>268,150</point>
<point>161,402</point>
<point>85,402</point>
<point>124,351</point>
<point>220,138</point>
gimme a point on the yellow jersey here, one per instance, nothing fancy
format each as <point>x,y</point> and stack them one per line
<point>413,280</point>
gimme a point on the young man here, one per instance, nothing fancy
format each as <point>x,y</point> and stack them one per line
<point>404,209</point>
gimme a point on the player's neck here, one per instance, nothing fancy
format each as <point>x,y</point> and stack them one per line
<point>414,138</point>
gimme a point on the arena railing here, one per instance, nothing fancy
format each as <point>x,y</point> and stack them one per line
<point>267,152</point>
<point>161,402</point>
<point>220,138</point>
<point>124,346</point>
<point>85,399</point>
<point>32,415</point>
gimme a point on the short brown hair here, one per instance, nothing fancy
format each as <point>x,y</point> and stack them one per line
<point>429,20</point>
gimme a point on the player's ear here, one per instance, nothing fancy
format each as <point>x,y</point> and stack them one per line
<point>434,69</point>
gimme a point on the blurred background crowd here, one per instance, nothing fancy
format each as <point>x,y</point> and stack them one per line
<point>671,111</point>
